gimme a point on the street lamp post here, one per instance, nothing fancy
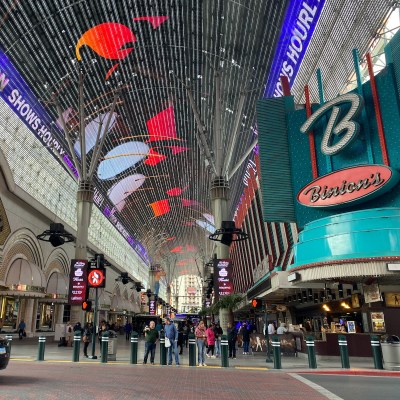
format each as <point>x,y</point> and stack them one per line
<point>85,171</point>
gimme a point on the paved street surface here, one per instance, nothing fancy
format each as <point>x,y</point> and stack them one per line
<point>248,377</point>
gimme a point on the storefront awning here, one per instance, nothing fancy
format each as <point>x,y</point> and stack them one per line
<point>25,279</point>
<point>57,285</point>
<point>352,270</point>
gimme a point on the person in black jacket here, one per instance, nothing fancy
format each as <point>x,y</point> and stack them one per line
<point>232,337</point>
<point>87,337</point>
<point>246,338</point>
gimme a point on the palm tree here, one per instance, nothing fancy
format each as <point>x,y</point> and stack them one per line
<point>225,306</point>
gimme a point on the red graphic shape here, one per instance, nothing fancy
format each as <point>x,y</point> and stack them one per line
<point>188,203</point>
<point>177,191</point>
<point>190,248</point>
<point>160,207</point>
<point>170,238</point>
<point>162,126</point>
<point>188,223</point>
<point>153,158</point>
<point>176,249</point>
<point>107,40</point>
<point>110,71</point>
<point>177,149</point>
<point>155,21</point>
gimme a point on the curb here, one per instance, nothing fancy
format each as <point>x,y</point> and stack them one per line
<point>356,372</point>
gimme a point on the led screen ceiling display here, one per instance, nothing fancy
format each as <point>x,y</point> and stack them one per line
<point>152,181</point>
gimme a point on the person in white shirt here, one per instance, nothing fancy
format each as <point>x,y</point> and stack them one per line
<point>271,329</point>
<point>281,329</point>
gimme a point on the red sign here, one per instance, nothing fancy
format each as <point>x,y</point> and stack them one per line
<point>96,278</point>
<point>77,282</point>
<point>348,186</point>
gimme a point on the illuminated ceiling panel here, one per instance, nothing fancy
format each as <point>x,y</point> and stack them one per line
<point>149,51</point>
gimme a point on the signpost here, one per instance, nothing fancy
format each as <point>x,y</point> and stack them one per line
<point>96,279</point>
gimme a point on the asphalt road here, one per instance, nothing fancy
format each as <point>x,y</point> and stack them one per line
<point>358,387</point>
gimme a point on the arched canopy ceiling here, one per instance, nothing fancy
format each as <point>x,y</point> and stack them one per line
<point>152,174</point>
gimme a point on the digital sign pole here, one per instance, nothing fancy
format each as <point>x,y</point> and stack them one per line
<point>96,279</point>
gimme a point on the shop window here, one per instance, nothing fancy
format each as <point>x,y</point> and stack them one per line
<point>9,312</point>
<point>44,317</point>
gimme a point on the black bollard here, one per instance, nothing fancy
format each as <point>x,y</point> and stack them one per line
<point>134,347</point>
<point>42,344</point>
<point>344,352</point>
<point>192,350</point>
<point>77,346</point>
<point>312,361</point>
<point>376,351</point>
<point>9,338</point>
<point>276,346</point>
<point>163,350</point>
<point>104,347</point>
<point>224,351</point>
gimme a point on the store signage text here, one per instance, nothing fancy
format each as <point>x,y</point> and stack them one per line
<point>298,27</point>
<point>78,281</point>
<point>222,277</point>
<point>347,127</point>
<point>358,183</point>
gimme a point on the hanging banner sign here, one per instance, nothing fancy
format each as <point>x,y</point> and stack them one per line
<point>16,93</point>
<point>152,307</point>
<point>77,282</point>
<point>297,30</point>
<point>223,277</point>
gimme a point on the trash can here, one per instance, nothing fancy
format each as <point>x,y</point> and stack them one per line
<point>391,352</point>
<point>112,347</point>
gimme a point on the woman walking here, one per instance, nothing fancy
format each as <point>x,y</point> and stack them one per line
<point>210,341</point>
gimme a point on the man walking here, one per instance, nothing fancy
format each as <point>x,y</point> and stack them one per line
<point>172,334</point>
<point>151,336</point>
<point>232,337</point>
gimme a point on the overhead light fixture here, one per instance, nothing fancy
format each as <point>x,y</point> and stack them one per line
<point>56,235</point>
<point>228,234</point>
<point>125,278</point>
<point>345,305</point>
<point>326,307</point>
<point>295,276</point>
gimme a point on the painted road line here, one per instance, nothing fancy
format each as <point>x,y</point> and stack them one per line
<point>325,392</point>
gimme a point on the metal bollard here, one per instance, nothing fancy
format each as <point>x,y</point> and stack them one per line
<point>9,338</point>
<point>312,361</point>
<point>134,347</point>
<point>224,351</point>
<point>104,347</point>
<point>344,352</point>
<point>42,344</point>
<point>276,346</point>
<point>192,350</point>
<point>376,351</point>
<point>163,350</point>
<point>77,346</point>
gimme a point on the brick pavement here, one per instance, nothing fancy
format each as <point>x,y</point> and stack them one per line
<point>50,380</point>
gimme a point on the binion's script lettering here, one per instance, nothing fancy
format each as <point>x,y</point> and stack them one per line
<point>325,192</point>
